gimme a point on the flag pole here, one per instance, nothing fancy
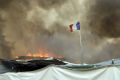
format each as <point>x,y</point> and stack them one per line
<point>80,38</point>
<point>80,43</point>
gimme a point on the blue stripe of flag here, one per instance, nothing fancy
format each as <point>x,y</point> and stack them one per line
<point>78,25</point>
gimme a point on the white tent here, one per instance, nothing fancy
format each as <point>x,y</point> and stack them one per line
<point>58,73</point>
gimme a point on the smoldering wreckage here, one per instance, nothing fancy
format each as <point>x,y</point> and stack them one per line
<point>26,26</point>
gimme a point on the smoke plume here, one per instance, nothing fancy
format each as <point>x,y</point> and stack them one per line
<point>105,18</point>
<point>30,25</point>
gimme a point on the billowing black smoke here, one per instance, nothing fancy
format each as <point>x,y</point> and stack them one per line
<point>105,18</point>
<point>5,49</point>
<point>25,28</point>
<point>4,3</point>
<point>30,25</point>
<point>50,4</point>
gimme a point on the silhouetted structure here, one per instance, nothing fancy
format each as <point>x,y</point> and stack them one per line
<point>31,65</point>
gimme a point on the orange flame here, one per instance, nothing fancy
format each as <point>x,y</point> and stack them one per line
<point>37,55</point>
<point>41,54</point>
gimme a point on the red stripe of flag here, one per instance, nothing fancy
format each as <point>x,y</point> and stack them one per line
<point>71,27</point>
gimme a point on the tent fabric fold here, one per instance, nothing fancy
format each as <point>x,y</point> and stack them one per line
<point>58,73</point>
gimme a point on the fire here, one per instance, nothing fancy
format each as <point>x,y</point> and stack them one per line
<point>39,54</point>
<point>43,55</point>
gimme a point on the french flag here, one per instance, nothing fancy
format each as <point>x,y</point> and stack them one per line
<point>74,27</point>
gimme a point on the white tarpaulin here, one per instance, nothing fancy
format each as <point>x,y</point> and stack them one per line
<point>58,73</point>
